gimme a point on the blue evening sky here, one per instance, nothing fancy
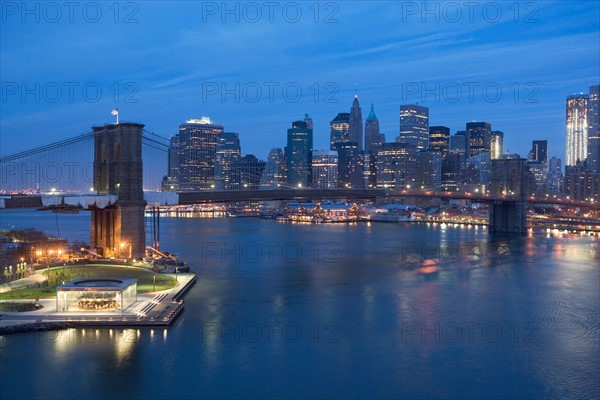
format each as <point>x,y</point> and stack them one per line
<point>510,64</point>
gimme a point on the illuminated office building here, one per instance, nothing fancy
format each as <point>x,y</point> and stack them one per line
<point>593,157</point>
<point>355,127</point>
<point>338,130</point>
<point>577,129</point>
<point>299,155</point>
<point>324,169</point>
<point>414,126</point>
<point>198,140</point>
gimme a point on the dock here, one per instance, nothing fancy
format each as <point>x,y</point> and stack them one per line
<point>152,310</point>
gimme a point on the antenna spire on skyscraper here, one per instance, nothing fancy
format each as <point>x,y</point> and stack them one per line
<point>116,113</point>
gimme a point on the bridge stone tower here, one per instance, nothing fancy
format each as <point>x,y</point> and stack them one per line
<point>119,230</point>
<point>510,178</point>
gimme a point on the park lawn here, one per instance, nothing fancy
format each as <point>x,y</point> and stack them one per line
<point>58,275</point>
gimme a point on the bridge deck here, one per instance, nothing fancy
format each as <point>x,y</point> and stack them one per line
<point>189,198</point>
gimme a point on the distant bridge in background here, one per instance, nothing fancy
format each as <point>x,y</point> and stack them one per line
<point>300,195</point>
<point>120,161</point>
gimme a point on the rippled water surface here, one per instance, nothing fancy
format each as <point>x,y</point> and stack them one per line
<point>345,311</point>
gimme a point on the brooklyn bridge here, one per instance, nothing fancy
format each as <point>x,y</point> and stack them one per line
<point>114,171</point>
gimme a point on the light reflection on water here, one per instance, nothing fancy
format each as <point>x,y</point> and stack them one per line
<point>355,316</point>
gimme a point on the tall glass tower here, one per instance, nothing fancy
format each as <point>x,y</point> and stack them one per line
<point>496,145</point>
<point>227,153</point>
<point>339,130</point>
<point>299,155</point>
<point>197,153</point>
<point>577,129</point>
<point>439,139</point>
<point>594,129</point>
<point>373,139</point>
<point>274,173</point>
<point>479,136</point>
<point>414,126</point>
<point>355,129</point>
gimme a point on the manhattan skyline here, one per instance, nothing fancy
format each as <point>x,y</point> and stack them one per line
<point>407,62</point>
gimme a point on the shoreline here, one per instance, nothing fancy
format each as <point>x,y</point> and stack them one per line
<point>34,327</point>
<point>158,313</point>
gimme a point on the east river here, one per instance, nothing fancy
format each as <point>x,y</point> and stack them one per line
<point>337,311</point>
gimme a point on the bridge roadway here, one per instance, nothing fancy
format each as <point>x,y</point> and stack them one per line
<point>232,196</point>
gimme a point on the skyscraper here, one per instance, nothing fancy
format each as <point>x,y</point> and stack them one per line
<point>197,150</point>
<point>554,178</point>
<point>396,166</point>
<point>325,169</point>
<point>539,151</point>
<point>497,145</point>
<point>439,139</point>
<point>458,144</point>
<point>452,169</point>
<point>247,172</point>
<point>460,141</point>
<point>477,171</point>
<point>170,182</point>
<point>350,166</point>
<point>594,129</point>
<point>577,129</point>
<point>174,156</point>
<point>355,128</point>
<point>309,121</point>
<point>373,138</point>
<point>580,184</point>
<point>299,155</point>
<point>414,126</point>
<point>339,130</point>
<point>274,173</point>
<point>429,170</point>
<point>227,153</point>
<point>479,135</point>
<point>537,163</point>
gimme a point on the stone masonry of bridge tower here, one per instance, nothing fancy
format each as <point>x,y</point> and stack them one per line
<point>119,230</point>
<point>510,178</point>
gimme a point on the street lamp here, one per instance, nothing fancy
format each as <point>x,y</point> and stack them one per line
<point>121,247</point>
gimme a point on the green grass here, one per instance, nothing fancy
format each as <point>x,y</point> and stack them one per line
<point>59,275</point>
